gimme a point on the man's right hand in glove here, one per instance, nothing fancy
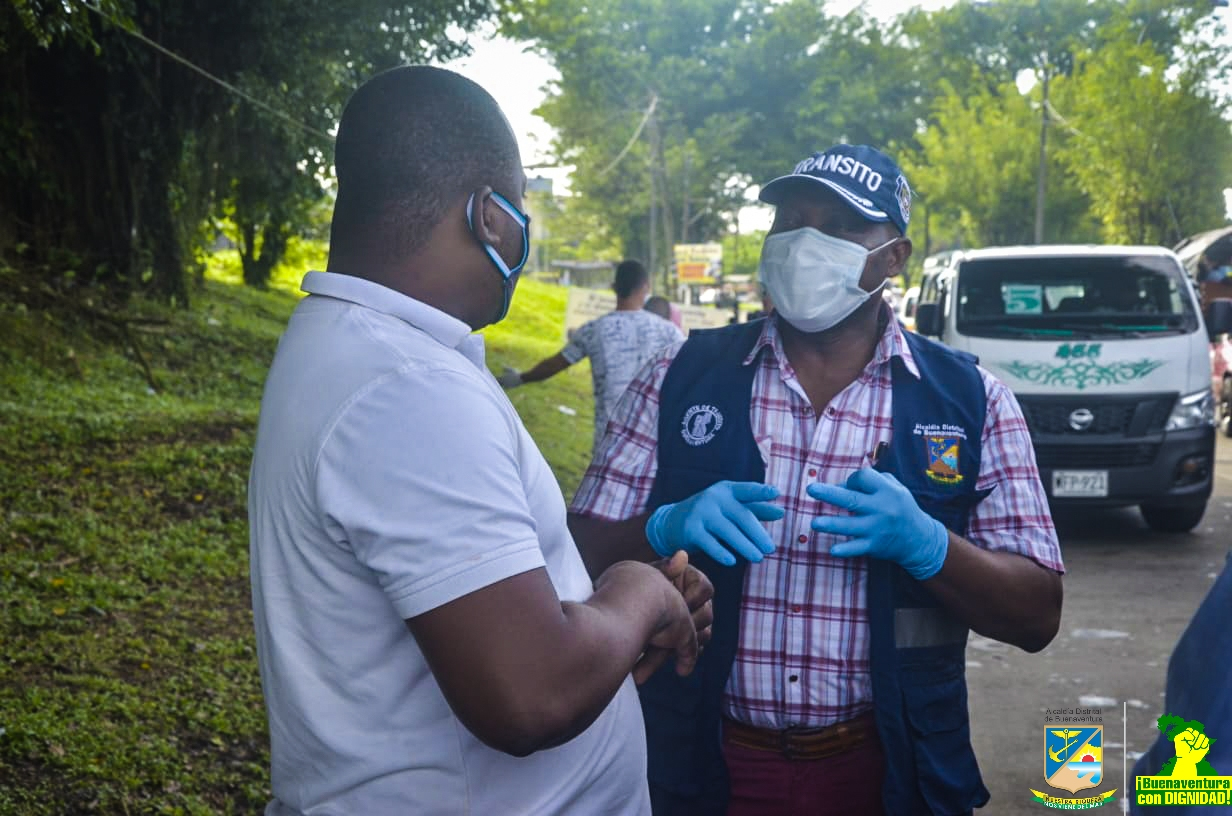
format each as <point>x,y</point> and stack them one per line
<point>722,521</point>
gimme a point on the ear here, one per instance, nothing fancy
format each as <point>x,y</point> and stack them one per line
<point>898,255</point>
<point>485,215</point>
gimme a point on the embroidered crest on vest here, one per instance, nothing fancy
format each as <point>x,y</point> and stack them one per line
<point>700,424</point>
<point>943,443</point>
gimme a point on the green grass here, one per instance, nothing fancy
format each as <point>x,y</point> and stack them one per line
<point>128,677</point>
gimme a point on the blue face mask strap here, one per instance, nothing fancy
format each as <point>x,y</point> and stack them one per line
<point>521,220</point>
<point>507,274</point>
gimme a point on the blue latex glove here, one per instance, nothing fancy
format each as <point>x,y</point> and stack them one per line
<point>886,523</point>
<point>723,519</point>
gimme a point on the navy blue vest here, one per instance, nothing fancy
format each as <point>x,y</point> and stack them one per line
<point>917,649</point>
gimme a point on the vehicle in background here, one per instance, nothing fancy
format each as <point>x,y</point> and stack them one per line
<point>892,295</point>
<point>1207,257</point>
<point>1106,350</point>
<point>906,307</point>
<point>1221,382</point>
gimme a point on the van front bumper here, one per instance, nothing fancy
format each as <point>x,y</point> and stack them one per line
<point>1170,469</point>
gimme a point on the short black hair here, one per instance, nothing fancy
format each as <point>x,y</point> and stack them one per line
<point>412,140</point>
<point>659,305</point>
<point>630,276</point>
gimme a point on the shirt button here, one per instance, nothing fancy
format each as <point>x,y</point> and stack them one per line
<point>795,608</point>
<point>812,471</point>
<point>803,539</point>
<point>795,678</point>
<point>831,412</point>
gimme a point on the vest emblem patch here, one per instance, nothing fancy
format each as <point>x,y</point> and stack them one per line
<point>700,424</point>
<point>943,459</point>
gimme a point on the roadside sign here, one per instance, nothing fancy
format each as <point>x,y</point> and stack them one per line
<point>698,263</point>
<point>585,305</point>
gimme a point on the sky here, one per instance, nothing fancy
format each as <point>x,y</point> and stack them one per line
<point>516,78</point>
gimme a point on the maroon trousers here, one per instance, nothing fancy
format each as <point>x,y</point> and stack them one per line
<point>765,783</point>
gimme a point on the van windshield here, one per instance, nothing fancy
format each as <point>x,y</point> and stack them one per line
<point>1093,296</point>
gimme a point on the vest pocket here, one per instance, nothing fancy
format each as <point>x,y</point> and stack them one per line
<point>946,768</point>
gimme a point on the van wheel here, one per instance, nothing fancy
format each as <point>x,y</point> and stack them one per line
<point>1172,519</point>
<point>1225,407</point>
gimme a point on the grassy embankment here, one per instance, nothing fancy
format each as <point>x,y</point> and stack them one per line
<point>128,678</point>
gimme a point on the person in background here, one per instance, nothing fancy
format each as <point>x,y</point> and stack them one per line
<point>428,638</point>
<point>659,305</point>
<point>860,497</point>
<point>618,345</point>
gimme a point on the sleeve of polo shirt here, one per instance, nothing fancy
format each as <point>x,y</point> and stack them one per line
<point>671,334</point>
<point>1015,516</point>
<point>580,343</point>
<point>420,478</point>
<point>617,484</point>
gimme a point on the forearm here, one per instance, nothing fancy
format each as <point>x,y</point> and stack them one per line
<point>525,671</point>
<point>546,368</point>
<point>1000,595</point>
<point>604,543</point>
<point>596,647</point>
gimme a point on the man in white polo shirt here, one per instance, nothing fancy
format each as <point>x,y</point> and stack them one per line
<point>429,640</point>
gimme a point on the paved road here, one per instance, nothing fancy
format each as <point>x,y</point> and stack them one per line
<point>1129,593</point>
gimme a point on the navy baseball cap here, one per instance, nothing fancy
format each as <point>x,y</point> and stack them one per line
<point>863,176</point>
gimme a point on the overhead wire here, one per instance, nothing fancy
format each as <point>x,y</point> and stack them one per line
<point>650,109</point>
<point>270,109</point>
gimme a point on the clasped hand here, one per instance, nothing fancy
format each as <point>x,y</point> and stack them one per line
<point>682,635</point>
<point>722,521</point>
<point>885,522</point>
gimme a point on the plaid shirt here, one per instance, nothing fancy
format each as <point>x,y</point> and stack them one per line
<point>803,657</point>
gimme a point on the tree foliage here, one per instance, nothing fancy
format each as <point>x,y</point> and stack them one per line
<point>113,154</point>
<point>975,172</point>
<point>115,158</point>
<point>1146,148</point>
<point>743,90</point>
<point>1133,155</point>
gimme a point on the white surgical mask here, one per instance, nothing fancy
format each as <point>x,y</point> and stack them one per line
<point>812,278</point>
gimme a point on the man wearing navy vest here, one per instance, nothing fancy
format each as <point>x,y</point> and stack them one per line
<point>860,497</point>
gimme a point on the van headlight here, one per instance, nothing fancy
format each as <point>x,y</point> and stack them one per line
<point>1193,411</point>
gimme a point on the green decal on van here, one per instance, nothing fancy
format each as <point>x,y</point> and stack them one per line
<point>1080,371</point>
<point>1077,350</point>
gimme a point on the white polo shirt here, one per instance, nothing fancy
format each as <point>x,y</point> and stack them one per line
<point>392,475</point>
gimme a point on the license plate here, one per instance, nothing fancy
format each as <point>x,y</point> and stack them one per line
<point>1067,483</point>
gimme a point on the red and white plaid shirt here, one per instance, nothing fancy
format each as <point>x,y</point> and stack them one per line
<point>803,657</point>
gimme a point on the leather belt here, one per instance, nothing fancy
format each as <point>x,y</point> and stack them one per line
<point>803,743</point>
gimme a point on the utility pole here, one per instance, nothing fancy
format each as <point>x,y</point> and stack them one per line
<point>684,215</point>
<point>659,183</point>
<point>1041,185</point>
<point>653,217</point>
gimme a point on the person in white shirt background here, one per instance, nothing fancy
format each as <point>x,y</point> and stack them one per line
<point>428,637</point>
<point>618,344</point>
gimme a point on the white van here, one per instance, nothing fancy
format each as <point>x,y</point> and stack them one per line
<point>1107,352</point>
<point>906,307</point>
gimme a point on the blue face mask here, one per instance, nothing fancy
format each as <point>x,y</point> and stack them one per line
<point>508,274</point>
